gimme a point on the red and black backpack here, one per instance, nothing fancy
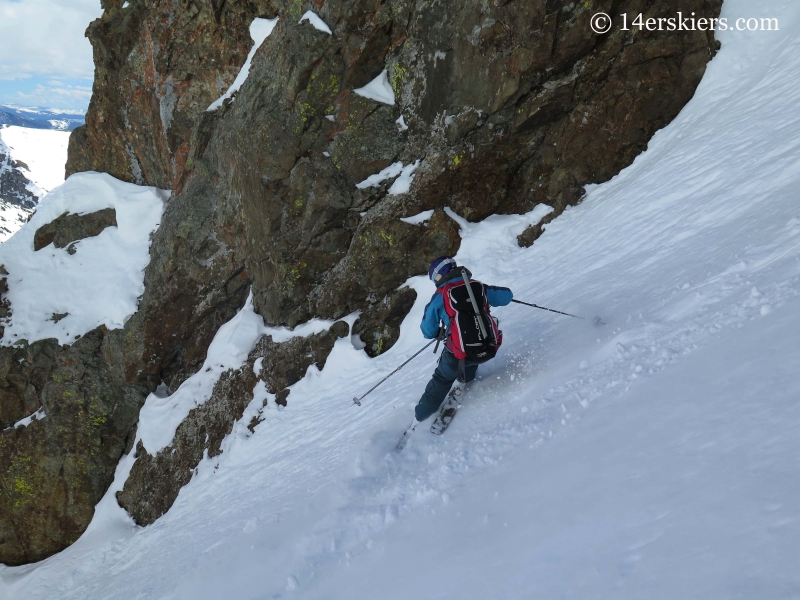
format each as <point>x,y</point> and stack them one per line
<point>465,337</point>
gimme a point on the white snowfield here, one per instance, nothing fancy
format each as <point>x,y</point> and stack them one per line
<point>45,154</point>
<point>43,150</point>
<point>653,457</point>
<point>55,294</point>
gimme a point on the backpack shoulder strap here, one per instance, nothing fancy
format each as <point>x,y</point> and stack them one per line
<point>445,292</point>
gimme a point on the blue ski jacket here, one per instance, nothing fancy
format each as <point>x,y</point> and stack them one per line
<point>434,311</point>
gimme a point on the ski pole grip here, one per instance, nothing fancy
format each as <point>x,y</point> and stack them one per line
<point>439,337</point>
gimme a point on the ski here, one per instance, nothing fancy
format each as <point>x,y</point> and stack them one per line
<point>446,413</point>
<point>449,409</point>
<point>404,438</point>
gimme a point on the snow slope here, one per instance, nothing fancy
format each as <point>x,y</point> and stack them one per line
<point>654,457</point>
<point>685,488</point>
<point>12,217</point>
<point>44,152</point>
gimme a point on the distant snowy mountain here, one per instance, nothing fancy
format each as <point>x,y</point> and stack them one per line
<point>41,118</point>
<point>31,164</point>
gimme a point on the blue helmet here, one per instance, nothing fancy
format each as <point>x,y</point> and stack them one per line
<point>440,267</point>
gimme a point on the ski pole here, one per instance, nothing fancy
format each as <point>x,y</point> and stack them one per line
<point>357,401</point>
<point>439,336</point>
<point>543,308</point>
<point>474,303</point>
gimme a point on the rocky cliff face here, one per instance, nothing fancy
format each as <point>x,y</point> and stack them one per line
<point>508,104</point>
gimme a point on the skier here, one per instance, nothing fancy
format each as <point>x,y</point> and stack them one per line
<point>459,314</point>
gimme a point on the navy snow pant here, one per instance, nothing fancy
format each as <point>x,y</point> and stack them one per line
<point>441,382</point>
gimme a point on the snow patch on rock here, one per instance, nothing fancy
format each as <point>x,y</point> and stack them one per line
<point>402,184</point>
<point>375,180</point>
<point>315,21</point>
<point>378,89</point>
<point>37,416</point>
<point>418,219</point>
<point>161,415</point>
<point>259,31</point>
<point>404,174</point>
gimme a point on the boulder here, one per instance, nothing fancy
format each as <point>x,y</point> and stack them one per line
<point>68,228</point>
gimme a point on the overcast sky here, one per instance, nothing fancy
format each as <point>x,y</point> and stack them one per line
<point>45,60</point>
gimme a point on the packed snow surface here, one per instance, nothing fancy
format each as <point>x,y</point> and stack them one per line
<point>259,31</point>
<point>44,152</point>
<point>55,294</point>
<point>378,89</point>
<point>652,457</point>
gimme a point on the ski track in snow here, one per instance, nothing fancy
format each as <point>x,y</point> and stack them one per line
<point>699,238</point>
